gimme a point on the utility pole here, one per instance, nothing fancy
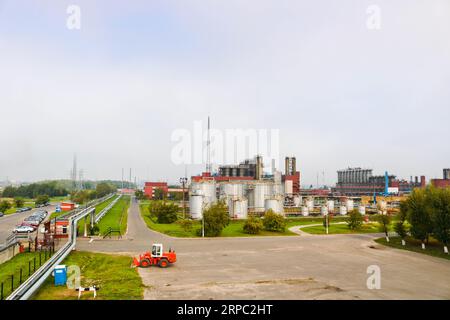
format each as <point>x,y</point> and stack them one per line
<point>183,181</point>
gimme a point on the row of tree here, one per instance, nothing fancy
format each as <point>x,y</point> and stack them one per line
<point>427,211</point>
<point>51,189</point>
<point>102,189</point>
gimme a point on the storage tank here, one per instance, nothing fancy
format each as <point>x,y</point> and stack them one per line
<point>209,192</point>
<point>362,210</point>
<point>305,211</point>
<point>382,206</point>
<point>297,201</point>
<point>330,205</point>
<point>259,195</point>
<point>275,204</point>
<point>227,190</point>
<point>196,206</point>
<point>238,208</point>
<point>324,210</point>
<point>310,204</point>
<point>288,187</point>
<point>350,205</point>
<point>343,210</point>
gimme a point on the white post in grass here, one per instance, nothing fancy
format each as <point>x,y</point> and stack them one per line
<point>445,249</point>
<point>403,242</point>
<point>423,246</point>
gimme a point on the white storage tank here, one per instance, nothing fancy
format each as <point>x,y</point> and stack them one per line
<point>297,201</point>
<point>362,210</point>
<point>275,204</point>
<point>238,208</point>
<point>196,206</point>
<point>209,192</point>
<point>330,205</point>
<point>288,187</point>
<point>350,205</point>
<point>260,191</point>
<point>324,210</point>
<point>343,210</point>
<point>305,211</point>
<point>227,190</point>
<point>310,204</point>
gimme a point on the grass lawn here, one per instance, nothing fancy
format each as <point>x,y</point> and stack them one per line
<point>234,229</point>
<point>433,248</point>
<point>371,227</point>
<point>98,208</point>
<point>111,273</point>
<point>13,266</point>
<point>116,217</point>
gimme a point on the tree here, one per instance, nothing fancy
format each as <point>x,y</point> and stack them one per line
<point>140,195</point>
<point>159,194</point>
<point>273,221</point>
<point>80,196</point>
<point>186,224</point>
<point>164,212</point>
<point>418,215</point>
<point>384,220</point>
<point>19,202</point>
<point>102,189</point>
<point>4,205</point>
<point>440,215</point>
<point>42,199</point>
<point>215,219</point>
<point>355,220</point>
<point>253,225</point>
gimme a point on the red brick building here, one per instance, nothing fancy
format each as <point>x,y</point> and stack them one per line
<point>151,187</point>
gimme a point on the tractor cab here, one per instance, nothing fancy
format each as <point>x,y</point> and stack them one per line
<point>157,250</point>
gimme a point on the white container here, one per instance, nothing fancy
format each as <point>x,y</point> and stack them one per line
<point>288,187</point>
<point>305,211</point>
<point>343,210</point>
<point>297,201</point>
<point>324,210</point>
<point>350,205</point>
<point>238,208</point>
<point>330,205</point>
<point>196,206</point>
<point>362,210</point>
<point>310,204</point>
<point>274,204</point>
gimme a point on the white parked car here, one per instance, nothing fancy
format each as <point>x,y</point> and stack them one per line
<point>23,229</point>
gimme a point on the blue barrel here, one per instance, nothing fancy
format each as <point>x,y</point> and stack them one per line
<point>60,273</point>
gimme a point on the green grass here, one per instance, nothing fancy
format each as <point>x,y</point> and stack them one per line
<point>116,218</point>
<point>13,266</point>
<point>234,229</point>
<point>371,227</point>
<point>111,273</point>
<point>98,208</point>
<point>433,248</point>
<point>58,199</point>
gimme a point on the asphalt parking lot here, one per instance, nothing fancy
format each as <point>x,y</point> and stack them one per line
<point>296,267</point>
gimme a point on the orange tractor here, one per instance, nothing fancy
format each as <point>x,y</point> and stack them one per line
<point>155,258</point>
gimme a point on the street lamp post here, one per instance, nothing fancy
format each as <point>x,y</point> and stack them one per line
<point>183,181</point>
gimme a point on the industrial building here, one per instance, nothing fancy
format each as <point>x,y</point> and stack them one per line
<point>444,182</point>
<point>361,182</point>
<point>151,187</point>
<point>245,188</point>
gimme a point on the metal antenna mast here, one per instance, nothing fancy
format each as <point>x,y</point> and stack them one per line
<point>208,150</point>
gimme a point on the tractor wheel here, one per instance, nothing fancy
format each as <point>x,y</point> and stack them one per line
<point>163,263</point>
<point>145,263</point>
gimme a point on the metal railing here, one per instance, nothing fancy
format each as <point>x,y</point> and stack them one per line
<point>83,207</point>
<point>30,286</point>
<point>106,209</point>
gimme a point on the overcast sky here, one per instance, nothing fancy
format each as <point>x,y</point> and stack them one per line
<point>114,91</point>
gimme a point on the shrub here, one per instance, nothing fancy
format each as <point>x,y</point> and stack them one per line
<point>355,220</point>
<point>274,222</point>
<point>164,212</point>
<point>215,219</point>
<point>253,225</point>
<point>384,220</point>
<point>186,224</point>
<point>4,205</point>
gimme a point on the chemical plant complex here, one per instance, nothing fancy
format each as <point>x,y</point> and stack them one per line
<point>247,188</point>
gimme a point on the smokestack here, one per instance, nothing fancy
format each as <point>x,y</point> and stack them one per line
<point>423,182</point>
<point>294,165</point>
<point>286,166</point>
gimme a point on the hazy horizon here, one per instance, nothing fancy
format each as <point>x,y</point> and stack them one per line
<point>340,94</point>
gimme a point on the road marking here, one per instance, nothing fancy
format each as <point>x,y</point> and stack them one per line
<point>90,241</point>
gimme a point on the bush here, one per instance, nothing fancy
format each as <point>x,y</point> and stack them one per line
<point>42,199</point>
<point>4,205</point>
<point>186,224</point>
<point>164,212</point>
<point>274,222</point>
<point>384,220</point>
<point>19,202</point>
<point>93,230</point>
<point>253,225</point>
<point>355,220</point>
<point>215,219</point>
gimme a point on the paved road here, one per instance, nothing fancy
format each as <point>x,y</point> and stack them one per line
<point>295,267</point>
<point>10,221</point>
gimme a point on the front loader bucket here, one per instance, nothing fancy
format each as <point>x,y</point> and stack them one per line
<point>136,263</point>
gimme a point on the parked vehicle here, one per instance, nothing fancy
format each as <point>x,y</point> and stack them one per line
<point>23,229</point>
<point>33,224</point>
<point>1,214</point>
